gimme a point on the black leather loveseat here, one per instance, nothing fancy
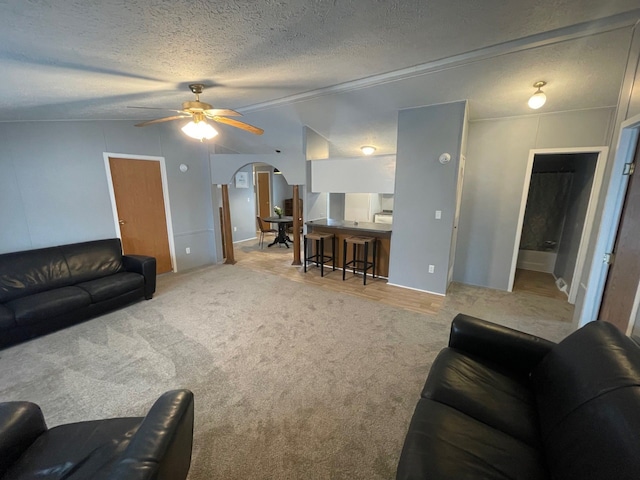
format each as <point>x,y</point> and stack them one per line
<point>156,447</point>
<point>501,404</point>
<point>49,288</point>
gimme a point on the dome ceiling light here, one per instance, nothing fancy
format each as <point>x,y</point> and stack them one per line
<point>368,149</point>
<point>538,99</point>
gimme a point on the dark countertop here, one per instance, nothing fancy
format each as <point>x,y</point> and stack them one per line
<point>344,225</point>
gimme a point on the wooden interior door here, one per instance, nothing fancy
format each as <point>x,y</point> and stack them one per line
<point>264,195</point>
<point>137,187</point>
<point>624,274</point>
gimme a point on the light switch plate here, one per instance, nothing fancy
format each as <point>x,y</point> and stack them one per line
<point>438,214</point>
<point>432,268</point>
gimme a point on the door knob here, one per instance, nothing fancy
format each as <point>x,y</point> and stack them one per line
<point>121,222</point>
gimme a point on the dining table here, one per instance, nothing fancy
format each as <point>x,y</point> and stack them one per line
<point>282,237</point>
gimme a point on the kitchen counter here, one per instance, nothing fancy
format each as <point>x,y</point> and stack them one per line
<point>343,229</point>
<point>345,225</point>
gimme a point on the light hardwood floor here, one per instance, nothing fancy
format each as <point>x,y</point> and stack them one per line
<point>537,283</point>
<point>493,305</point>
<point>277,260</point>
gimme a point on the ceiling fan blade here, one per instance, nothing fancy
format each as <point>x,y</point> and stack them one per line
<point>212,112</point>
<point>238,124</point>
<point>157,108</point>
<point>160,120</point>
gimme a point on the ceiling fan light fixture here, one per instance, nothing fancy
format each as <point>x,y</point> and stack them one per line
<point>200,130</point>
<point>368,149</point>
<point>538,99</point>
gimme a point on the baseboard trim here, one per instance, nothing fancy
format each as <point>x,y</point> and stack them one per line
<point>417,289</point>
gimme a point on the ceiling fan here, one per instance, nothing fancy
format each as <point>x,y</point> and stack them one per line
<point>200,112</point>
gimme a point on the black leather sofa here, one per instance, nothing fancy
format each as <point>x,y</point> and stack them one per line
<point>49,288</point>
<point>157,446</point>
<point>501,404</point>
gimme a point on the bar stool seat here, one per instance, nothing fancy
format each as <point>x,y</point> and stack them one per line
<point>319,257</point>
<point>359,264</point>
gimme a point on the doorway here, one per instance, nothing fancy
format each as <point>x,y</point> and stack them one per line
<point>556,217</point>
<point>627,145</point>
<point>263,186</point>
<point>619,298</point>
<point>137,186</point>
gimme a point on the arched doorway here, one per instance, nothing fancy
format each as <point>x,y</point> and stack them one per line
<point>253,193</point>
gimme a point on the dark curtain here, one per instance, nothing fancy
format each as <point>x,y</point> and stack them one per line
<point>546,210</point>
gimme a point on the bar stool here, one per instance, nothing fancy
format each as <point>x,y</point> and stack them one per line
<point>319,258</point>
<point>356,263</point>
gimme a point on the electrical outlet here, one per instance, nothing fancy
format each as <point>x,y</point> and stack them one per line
<point>432,268</point>
<point>188,250</point>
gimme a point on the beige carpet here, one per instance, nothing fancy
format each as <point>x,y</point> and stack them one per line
<point>290,381</point>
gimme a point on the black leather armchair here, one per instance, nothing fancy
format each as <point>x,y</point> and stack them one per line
<point>499,404</point>
<point>157,446</point>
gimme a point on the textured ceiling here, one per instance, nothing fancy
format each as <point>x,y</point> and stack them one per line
<point>90,59</point>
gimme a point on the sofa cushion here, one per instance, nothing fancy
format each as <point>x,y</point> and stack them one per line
<point>49,304</point>
<point>590,362</point>
<point>89,260</point>
<point>479,389</point>
<point>109,287</point>
<point>77,450</point>
<point>7,318</point>
<point>32,271</point>
<point>444,443</point>
<point>588,394</point>
<point>600,440</point>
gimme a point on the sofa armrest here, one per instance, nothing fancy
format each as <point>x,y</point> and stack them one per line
<point>515,350</point>
<point>161,448</point>
<point>145,266</point>
<point>20,424</point>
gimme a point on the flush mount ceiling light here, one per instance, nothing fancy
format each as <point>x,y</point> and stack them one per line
<point>199,129</point>
<point>368,149</point>
<point>277,172</point>
<point>538,98</point>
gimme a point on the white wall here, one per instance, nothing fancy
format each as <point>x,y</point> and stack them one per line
<point>242,207</point>
<point>280,190</point>
<point>357,207</point>
<point>336,206</point>
<point>225,165</point>
<point>498,151</point>
<point>315,147</point>
<point>375,174</point>
<point>423,185</point>
<point>53,190</point>
<point>600,241</point>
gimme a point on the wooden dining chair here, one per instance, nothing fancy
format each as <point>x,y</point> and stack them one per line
<point>264,230</point>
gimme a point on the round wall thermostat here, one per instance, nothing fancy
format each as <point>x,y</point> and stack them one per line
<point>444,158</point>
<point>183,167</point>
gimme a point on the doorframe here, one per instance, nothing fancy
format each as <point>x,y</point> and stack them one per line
<point>611,215</point>
<point>257,184</point>
<point>589,219</point>
<point>165,195</point>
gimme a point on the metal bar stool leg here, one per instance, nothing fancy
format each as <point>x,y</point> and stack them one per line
<point>375,261</point>
<point>306,254</point>
<point>366,262</point>
<point>321,257</point>
<point>354,256</point>
<point>333,251</point>
<point>344,259</point>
